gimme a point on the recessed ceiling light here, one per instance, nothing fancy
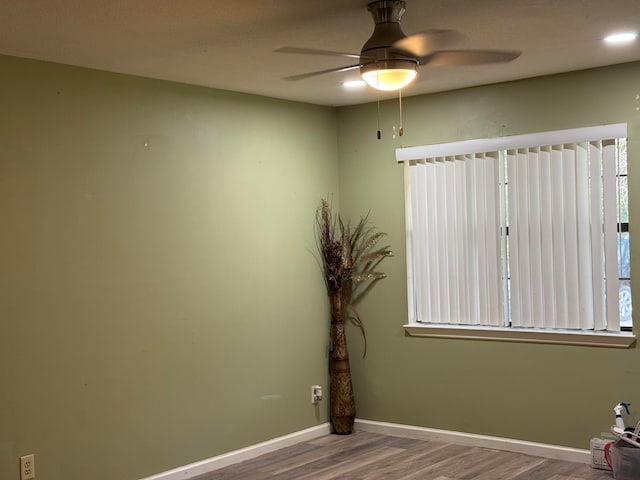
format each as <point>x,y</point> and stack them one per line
<point>354,83</point>
<point>618,38</point>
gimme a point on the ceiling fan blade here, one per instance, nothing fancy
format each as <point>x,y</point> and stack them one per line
<point>315,51</point>
<point>423,43</point>
<point>455,58</point>
<point>321,72</point>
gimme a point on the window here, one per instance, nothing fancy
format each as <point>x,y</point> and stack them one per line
<point>624,272</point>
<point>520,232</point>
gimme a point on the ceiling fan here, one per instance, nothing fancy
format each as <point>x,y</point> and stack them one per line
<point>388,60</point>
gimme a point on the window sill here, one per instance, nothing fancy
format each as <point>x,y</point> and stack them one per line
<point>561,337</point>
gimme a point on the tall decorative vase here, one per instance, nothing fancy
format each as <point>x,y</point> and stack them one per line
<point>349,257</point>
<point>342,404</point>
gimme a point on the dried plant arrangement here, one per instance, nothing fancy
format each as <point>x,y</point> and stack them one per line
<point>349,258</point>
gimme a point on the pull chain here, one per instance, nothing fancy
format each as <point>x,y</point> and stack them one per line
<point>401,129</point>
<point>379,133</point>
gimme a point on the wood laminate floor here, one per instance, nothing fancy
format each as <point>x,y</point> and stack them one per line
<point>371,456</point>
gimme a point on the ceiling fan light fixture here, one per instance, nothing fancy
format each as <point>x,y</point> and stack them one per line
<point>388,60</point>
<point>389,75</point>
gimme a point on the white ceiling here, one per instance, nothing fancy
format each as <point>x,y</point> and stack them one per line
<point>229,45</point>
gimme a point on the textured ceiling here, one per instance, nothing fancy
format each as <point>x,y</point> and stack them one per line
<point>229,45</point>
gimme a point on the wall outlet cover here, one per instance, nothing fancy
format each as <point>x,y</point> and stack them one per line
<point>27,467</point>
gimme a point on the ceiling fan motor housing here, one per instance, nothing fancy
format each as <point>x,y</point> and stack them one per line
<point>377,52</point>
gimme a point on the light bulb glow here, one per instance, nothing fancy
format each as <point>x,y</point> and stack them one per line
<point>389,79</point>
<point>354,83</point>
<point>619,38</point>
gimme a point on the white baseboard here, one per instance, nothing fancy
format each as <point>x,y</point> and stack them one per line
<point>205,466</point>
<point>499,443</point>
<point>421,433</point>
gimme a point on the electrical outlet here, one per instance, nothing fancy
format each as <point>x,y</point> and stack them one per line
<point>316,393</point>
<point>28,467</point>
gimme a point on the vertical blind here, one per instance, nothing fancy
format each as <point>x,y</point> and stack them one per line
<point>456,238</point>
<point>521,236</point>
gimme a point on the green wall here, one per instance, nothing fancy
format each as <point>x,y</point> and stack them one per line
<point>159,299</point>
<point>555,394</point>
